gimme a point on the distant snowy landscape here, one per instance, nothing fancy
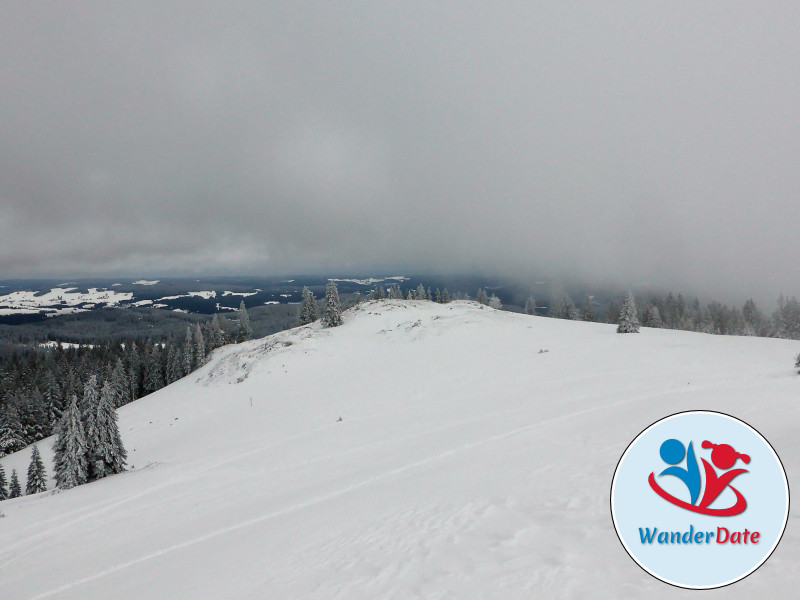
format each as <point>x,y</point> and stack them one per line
<point>420,450</point>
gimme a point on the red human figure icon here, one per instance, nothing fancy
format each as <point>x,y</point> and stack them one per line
<point>724,457</point>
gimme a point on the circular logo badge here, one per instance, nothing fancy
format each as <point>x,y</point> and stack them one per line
<point>699,499</point>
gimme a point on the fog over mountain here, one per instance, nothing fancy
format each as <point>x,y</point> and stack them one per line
<point>632,142</point>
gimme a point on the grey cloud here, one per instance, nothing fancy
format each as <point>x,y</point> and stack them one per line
<point>629,142</point>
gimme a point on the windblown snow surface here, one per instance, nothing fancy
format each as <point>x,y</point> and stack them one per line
<point>467,464</point>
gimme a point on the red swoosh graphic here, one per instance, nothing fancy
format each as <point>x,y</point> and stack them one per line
<point>736,509</point>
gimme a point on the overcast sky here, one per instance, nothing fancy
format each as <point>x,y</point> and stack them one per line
<point>633,142</point>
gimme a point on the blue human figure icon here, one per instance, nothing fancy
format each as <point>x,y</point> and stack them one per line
<point>672,452</point>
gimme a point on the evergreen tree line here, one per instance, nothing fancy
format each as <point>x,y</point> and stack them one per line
<point>330,312</point>
<point>37,387</point>
<point>395,292</point>
<point>674,312</point>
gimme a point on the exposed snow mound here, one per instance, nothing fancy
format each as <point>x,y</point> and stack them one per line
<point>417,451</point>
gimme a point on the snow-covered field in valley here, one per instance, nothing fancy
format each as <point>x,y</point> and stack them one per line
<point>466,464</point>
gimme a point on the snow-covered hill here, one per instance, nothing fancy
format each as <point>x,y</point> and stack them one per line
<point>466,464</point>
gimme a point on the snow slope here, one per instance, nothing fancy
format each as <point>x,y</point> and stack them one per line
<point>467,464</point>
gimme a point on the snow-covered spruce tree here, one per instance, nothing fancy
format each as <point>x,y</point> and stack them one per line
<point>188,352</point>
<point>216,337</point>
<point>134,361</point>
<point>153,371</point>
<point>556,308</point>
<point>35,421</point>
<point>332,311</point>
<point>37,477</point>
<point>105,451</point>
<point>652,317</point>
<point>628,321</point>
<point>3,484</point>
<point>88,403</point>
<point>244,331</point>
<point>70,449</point>
<point>797,364</point>
<point>119,380</point>
<point>495,303</point>
<point>52,398</point>
<point>421,294</point>
<point>445,296</point>
<point>175,365</point>
<point>14,490</point>
<point>199,345</point>
<point>308,307</point>
<point>530,306</point>
<point>10,432</point>
<point>588,309</point>
<point>481,296</point>
<point>568,309</point>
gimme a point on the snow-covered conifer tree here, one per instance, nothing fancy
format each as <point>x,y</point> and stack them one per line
<point>653,317</point>
<point>797,364</point>
<point>244,331</point>
<point>568,308</point>
<point>3,484</point>
<point>175,365</point>
<point>530,306</point>
<point>445,296</point>
<point>10,432</point>
<point>89,400</point>
<point>118,387</point>
<point>14,490</point>
<point>308,307</point>
<point>421,295</point>
<point>482,297</point>
<point>153,371</point>
<point>52,399</point>
<point>70,448</point>
<point>199,345</point>
<point>588,308</point>
<point>332,311</point>
<point>37,477</point>
<point>216,335</point>
<point>628,319</point>
<point>495,303</point>
<point>556,307</point>
<point>106,453</point>
<point>188,352</point>
<point>134,371</point>
<point>438,297</point>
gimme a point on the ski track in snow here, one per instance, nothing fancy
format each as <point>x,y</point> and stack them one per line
<point>325,497</point>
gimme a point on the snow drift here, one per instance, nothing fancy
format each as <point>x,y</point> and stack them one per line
<point>418,451</point>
